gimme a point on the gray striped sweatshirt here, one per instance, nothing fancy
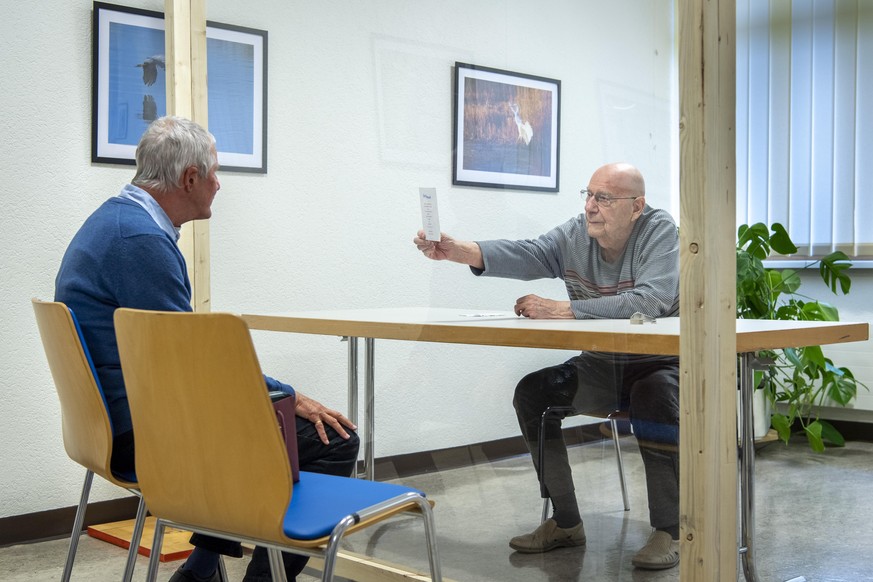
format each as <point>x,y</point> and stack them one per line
<point>644,279</point>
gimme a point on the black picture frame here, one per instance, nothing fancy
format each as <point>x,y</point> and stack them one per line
<point>506,129</point>
<point>129,87</point>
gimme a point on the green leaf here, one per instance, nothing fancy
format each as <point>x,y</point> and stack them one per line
<point>741,232</point>
<point>782,426</point>
<point>831,271</point>
<point>831,434</point>
<point>744,266</point>
<point>789,312</point>
<point>819,311</point>
<point>793,357</point>
<point>839,384</point>
<point>755,240</point>
<point>790,281</point>
<point>781,241</point>
<point>813,357</point>
<point>813,435</point>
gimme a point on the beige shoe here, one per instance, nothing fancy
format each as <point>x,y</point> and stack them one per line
<point>659,553</point>
<point>548,536</point>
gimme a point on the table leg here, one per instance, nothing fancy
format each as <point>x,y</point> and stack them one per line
<point>353,379</point>
<point>369,408</point>
<point>747,470</point>
<point>353,388</point>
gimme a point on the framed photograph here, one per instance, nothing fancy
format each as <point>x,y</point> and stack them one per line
<point>506,129</point>
<point>129,87</point>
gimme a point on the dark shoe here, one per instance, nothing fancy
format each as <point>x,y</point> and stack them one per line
<point>182,575</point>
<point>548,536</point>
<point>659,553</point>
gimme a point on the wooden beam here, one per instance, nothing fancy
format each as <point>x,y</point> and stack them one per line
<point>708,481</point>
<point>185,41</point>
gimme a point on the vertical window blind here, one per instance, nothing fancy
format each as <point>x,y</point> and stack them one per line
<point>805,122</point>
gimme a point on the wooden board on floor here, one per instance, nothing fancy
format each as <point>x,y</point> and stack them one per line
<point>771,437</point>
<point>366,569</point>
<point>174,547</point>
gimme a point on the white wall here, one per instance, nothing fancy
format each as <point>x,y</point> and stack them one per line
<point>359,117</point>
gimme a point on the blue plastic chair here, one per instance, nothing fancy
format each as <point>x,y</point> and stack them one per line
<point>210,456</point>
<point>87,428</point>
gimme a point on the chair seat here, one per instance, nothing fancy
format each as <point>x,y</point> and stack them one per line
<point>320,501</point>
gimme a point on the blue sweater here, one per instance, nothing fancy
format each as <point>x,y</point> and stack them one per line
<point>121,258</point>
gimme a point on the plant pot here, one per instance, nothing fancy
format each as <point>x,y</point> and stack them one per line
<point>761,412</point>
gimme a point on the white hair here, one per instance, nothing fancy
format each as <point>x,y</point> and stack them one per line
<point>169,146</point>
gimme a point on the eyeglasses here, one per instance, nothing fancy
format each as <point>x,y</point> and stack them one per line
<point>603,200</point>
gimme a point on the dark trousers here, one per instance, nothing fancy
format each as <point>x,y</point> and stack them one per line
<point>337,458</point>
<point>599,383</point>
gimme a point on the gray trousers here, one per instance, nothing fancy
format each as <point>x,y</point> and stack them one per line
<point>600,384</point>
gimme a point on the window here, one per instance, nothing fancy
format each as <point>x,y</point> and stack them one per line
<point>805,121</point>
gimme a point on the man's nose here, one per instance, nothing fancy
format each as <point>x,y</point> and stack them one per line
<point>591,205</point>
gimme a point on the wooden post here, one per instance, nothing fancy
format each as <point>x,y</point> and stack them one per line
<point>708,481</point>
<point>185,34</point>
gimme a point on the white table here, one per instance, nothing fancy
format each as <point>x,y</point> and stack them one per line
<point>460,326</point>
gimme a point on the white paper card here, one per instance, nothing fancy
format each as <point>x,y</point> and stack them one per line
<point>430,216</point>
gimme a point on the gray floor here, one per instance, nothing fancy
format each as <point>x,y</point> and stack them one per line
<point>815,518</point>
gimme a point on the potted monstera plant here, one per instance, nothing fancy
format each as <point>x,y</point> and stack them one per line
<point>801,379</point>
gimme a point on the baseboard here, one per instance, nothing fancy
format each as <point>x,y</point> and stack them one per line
<point>57,523</point>
<point>422,462</point>
<point>848,415</point>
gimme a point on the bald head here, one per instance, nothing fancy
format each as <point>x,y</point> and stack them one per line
<point>623,179</point>
<point>611,222</point>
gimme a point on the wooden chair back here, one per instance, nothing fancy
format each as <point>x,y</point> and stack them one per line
<point>208,449</point>
<point>87,430</point>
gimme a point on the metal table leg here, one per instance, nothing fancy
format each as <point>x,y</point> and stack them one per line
<point>353,379</point>
<point>369,408</point>
<point>365,432</point>
<point>747,471</point>
<point>353,384</point>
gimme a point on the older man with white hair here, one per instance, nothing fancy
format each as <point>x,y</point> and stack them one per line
<point>125,255</point>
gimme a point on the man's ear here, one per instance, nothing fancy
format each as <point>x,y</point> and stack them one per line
<point>189,178</point>
<point>639,205</point>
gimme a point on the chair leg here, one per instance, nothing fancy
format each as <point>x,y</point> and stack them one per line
<point>77,525</point>
<point>541,449</point>
<point>155,556</point>
<point>613,425</point>
<point>333,543</point>
<point>433,555</point>
<point>134,540</point>
<point>339,530</point>
<point>277,565</point>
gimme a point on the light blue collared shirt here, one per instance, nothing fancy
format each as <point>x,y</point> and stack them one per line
<point>151,206</point>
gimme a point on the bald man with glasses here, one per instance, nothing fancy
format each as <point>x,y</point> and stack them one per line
<point>620,257</point>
